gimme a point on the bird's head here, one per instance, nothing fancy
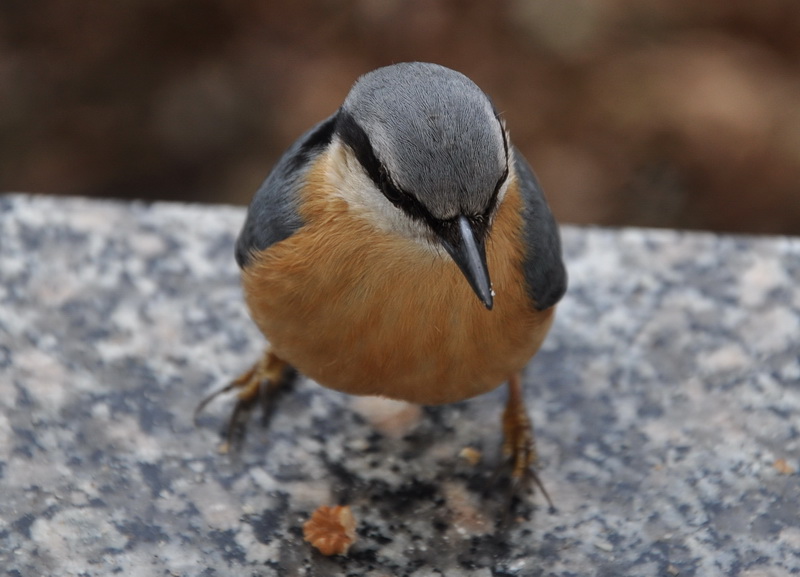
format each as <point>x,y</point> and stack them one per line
<point>432,157</point>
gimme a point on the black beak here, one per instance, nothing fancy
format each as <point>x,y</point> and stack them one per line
<point>466,247</point>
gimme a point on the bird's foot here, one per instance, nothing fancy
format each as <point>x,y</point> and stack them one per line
<point>519,445</point>
<point>261,384</point>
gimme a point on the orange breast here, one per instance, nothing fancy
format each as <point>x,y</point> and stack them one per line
<point>368,312</point>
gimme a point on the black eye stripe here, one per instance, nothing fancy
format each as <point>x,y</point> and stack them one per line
<point>503,177</point>
<point>354,136</point>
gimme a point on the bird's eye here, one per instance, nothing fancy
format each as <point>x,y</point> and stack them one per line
<point>389,190</point>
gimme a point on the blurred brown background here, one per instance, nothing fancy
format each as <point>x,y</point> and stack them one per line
<point>678,113</point>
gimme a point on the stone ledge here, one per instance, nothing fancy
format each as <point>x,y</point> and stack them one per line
<point>666,401</point>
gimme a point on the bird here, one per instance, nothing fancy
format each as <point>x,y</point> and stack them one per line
<point>403,248</point>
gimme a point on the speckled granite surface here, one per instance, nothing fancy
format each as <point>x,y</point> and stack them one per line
<point>667,405</point>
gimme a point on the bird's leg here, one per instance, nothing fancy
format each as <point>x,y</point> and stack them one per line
<point>261,383</point>
<point>519,444</point>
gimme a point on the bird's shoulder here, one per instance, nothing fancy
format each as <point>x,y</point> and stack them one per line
<point>545,273</point>
<point>273,214</point>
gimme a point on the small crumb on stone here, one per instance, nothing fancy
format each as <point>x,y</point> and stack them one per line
<point>332,530</point>
<point>470,455</point>
<point>783,467</point>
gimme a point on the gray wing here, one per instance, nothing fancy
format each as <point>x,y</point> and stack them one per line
<point>273,215</point>
<point>545,273</point>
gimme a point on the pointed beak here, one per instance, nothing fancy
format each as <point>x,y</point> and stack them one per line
<point>468,251</point>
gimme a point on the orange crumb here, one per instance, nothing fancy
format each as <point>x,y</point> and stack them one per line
<point>331,529</point>
<point>470,455</point>
<point>783,467</point>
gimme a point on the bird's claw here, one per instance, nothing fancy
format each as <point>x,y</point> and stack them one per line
<point>519,446</point>
<point>261,383</point>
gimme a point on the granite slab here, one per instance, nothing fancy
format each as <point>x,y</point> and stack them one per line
<point>666,401</point>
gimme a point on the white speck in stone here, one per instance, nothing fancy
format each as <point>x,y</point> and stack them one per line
<point>174,557</point>
<point>148,244</point>
<point>791,536</point>
<point>772,330</point>
<point>101,411</point>
<point>78,498</point>
<point>263,479</point>
<point>357,444</point>
<point>309,494</point>
<point>216,505</point>
<point>45,378</point>
<point>604,546</point>
<point>182,485</point>
<point>729,357</point>
<point>170,503</point>
<point>77,534</point>
<point>791,372</point>
<point>762,277</point>
<point>13,267</point>
<point>467,516</point>
<point>47,342</point>
<point>125,434</point>
<point>6,434</point>
<point>257,552</point>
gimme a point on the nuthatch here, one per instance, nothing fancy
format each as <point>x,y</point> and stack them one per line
<point>403,248</point>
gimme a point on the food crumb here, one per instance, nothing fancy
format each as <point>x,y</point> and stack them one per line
<point>332,530</point>
<point>783,467</point>
<point>470,455</point>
